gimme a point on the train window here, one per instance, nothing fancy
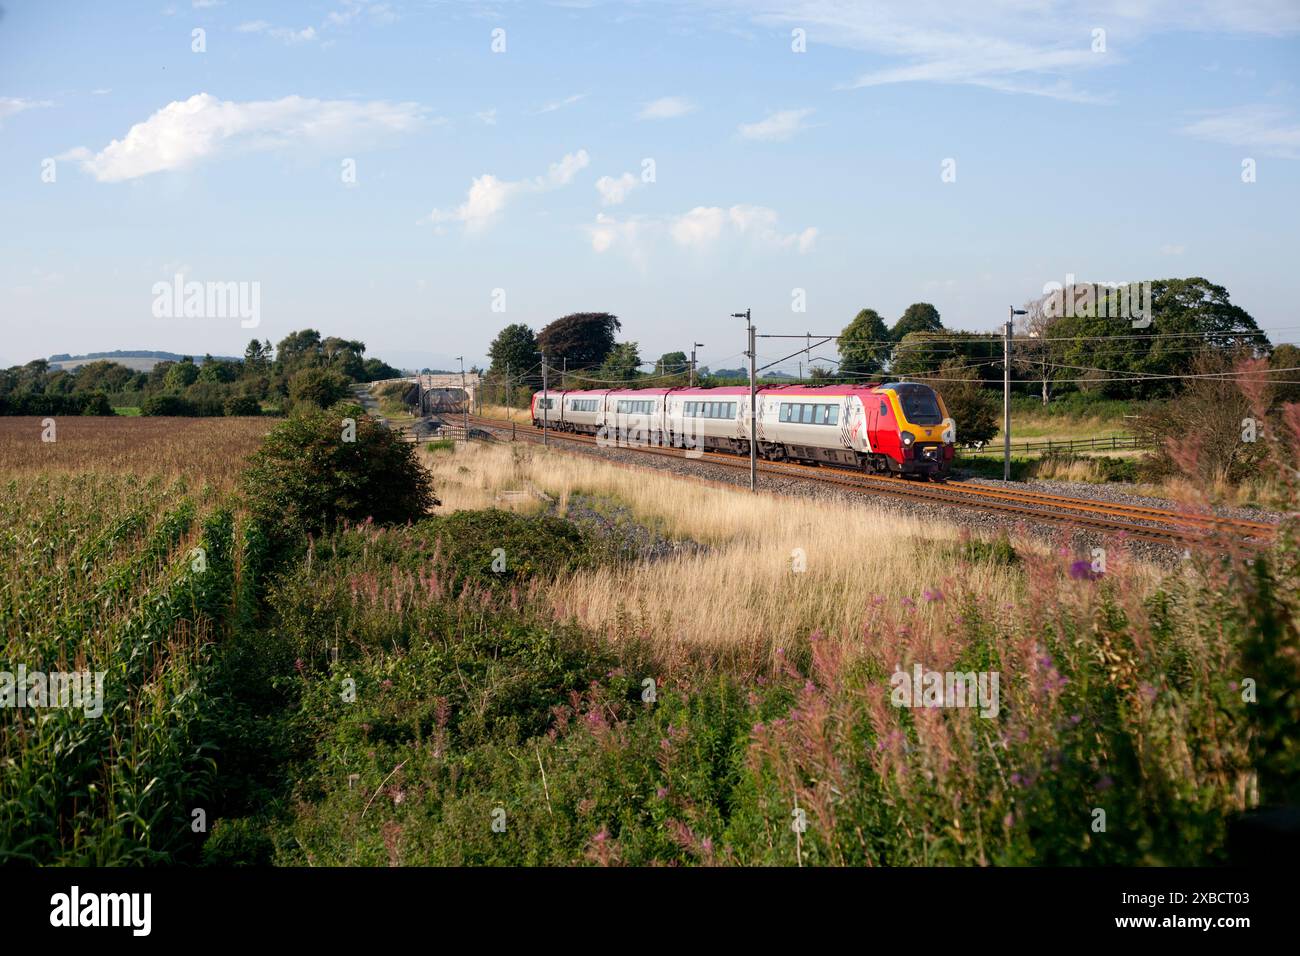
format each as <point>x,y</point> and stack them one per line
<point>834,415</point>
<point>808,411</point>
<point>785,411</point>
<point>918,402</point>
<point>731,409</point>
<point>884,409</point>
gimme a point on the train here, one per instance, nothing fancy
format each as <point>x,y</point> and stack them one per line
<point>900,428</point>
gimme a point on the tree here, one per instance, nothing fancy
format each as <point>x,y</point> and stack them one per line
<point>585,339</point>
<point>1288,383</point>
<point>515,349</point>
<point>298,349</point>
<point>321,387</point>
<point>1189,318</point>
<point>672,363</point>
<point>257,357</point>
<point>217,371</point>
<point>181,375</point>
<point>103,376</point>
<point>377,370</point>
<point>622,364</point>
<point>864,345</point>
<point>918,317</point>
<point>971,405</point>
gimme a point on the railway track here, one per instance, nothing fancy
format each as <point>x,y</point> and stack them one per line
<point>1140,522</point>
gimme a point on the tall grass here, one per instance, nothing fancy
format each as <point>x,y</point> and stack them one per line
<point>775,568</point>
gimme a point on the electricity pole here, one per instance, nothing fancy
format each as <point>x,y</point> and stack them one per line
<point>753,402</point>
<point>1006,394</point>
<point>465,392</point>
<point>694,346</point>
<point>546,412</point>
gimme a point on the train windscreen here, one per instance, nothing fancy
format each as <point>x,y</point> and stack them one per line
<point>919,404</point>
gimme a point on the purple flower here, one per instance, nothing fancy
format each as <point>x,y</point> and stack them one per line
<point>932,595</point>
<point>1082,571</point>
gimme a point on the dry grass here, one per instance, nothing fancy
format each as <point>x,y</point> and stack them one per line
<point>207,451</point>
<point>744,592</point>
<point>504,412</point>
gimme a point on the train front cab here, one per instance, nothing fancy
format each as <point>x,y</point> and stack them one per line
<point>926,433</point>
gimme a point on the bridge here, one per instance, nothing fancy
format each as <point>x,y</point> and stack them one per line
<point>444,392</point>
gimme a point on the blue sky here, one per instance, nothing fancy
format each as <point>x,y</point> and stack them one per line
<point>524,170</point>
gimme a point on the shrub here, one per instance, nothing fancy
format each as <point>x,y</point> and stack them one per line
<point>242,405</point>
<point>172,405</point>
<point>97,403</point>
<point>318,386</point>
<point>308,476</point>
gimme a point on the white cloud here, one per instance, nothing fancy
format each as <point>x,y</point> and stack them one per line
<point>776,126</point>
<point>12,105</point>
<point>701,228</point>
<point>1172,250</point>
<point>487,117</point>
<point>562,173</point>
<point>1012,46</point>
<point>206,4</point>
<point>185,132</point>
<point>284,34</point>
<point>488,195</point>
<point>668,107</point>
<point>609,231</point>
<point>351,10</point>
<point>560,104</point>
<point>614,191</point>
<point>1269,130</point>
<point>102,91</point>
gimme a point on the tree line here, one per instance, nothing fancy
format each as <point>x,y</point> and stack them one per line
<point>1075,340</point>
<point>302,368</point>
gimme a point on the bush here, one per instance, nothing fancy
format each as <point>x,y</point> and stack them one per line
<point>242,405</point>
<point>97,403</point>
<point>308,475</point>
<point>318,386</point>
<point>170,405</point>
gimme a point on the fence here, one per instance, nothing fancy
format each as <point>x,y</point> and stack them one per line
<point>1111,443</point>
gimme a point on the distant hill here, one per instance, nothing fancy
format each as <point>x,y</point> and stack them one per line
<point>138,360</point>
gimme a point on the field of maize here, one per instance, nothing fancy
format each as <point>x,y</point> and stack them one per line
<point>120,555</point>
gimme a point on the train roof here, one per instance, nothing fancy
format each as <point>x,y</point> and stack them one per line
<point>824,391</point>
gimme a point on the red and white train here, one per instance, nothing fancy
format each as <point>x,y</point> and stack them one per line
<point>901,427</point>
